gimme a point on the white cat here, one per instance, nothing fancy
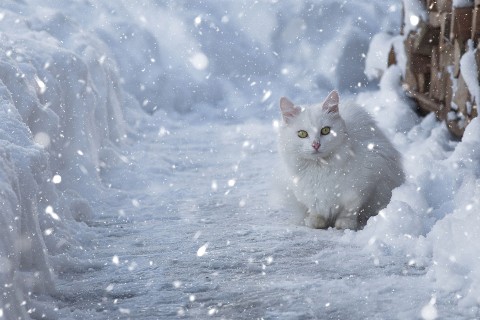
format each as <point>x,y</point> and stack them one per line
<point>341,168</point>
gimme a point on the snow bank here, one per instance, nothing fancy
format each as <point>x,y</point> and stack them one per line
<point>22,246</point>
<point>432,220</point>
<point>61,122</point>
<point>454,239</point>
<point>376,62</point>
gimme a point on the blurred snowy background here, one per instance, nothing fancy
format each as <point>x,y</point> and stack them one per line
<point>137,145</point>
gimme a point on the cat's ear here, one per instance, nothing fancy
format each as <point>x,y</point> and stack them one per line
<point>330,105</point>
<point>289,110</point>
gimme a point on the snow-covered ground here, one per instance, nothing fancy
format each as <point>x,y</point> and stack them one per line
<point>138,154</point>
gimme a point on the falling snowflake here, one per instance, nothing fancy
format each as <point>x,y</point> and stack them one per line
<point>124,311</point>
<point>214,185</point>
<point>202,250</point>
<point>414,20</point>
<point>180,312</point>
<point>199,61</point>
<point>212,311</point>
<point>42,139</point>
<point>429,311</point>
<point>51,213</point>
<point>197,21</point>
<point>41,85</point>
<point>132,266</point>
<point>57,179</point>
<point>136,203</point>
<point>197,235</point>
<point>267,95</point>
<point>242,203</point>
<point>231,182</point>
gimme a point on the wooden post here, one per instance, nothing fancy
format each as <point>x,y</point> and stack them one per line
<point>462,96</point>
<point>423,80</point>
<point>432,5</point>
<point>444,5</point>
<point>445,22</point>
<point>474,113</point>
<point>426,37</point>
<point>410,81</point>
<point>419,63</point>
<point>425,102</point>
<point>453,127</point>
<point>446,54</point>
<point>460,28</point>
<point>437,83</point>
<point>392,57</point>
<point>434,19</point>
<point>416,62</point>
<point>447,104</point>
<point>476,25</point>
<point>458,51</point>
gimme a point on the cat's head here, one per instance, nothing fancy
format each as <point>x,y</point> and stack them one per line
<point>314,131</point>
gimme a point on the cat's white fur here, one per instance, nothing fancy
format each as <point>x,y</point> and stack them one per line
<point>352,174</point>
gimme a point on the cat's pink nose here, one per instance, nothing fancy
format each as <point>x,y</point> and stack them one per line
<point>316,145</point>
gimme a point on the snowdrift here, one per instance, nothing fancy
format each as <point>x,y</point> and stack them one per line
<point>432,220</point>
<point>61,122</point>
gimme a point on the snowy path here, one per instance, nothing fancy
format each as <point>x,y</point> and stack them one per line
<point>257,264</point>
<point>182,225</point>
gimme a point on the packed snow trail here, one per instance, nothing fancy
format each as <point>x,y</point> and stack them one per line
<point>189,233</point>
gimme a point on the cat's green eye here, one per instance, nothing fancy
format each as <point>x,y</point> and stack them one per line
<point>325,131</point>
<point>302,134</point>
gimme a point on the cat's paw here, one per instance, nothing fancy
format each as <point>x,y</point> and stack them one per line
<point>346,223</point>
<point>316,221</point>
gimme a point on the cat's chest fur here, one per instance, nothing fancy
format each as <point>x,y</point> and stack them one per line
<point>329,187</point>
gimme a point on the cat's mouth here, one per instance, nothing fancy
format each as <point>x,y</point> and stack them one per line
<point>317,154</point>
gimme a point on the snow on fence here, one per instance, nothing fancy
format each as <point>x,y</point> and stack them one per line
<point>441,72</point>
